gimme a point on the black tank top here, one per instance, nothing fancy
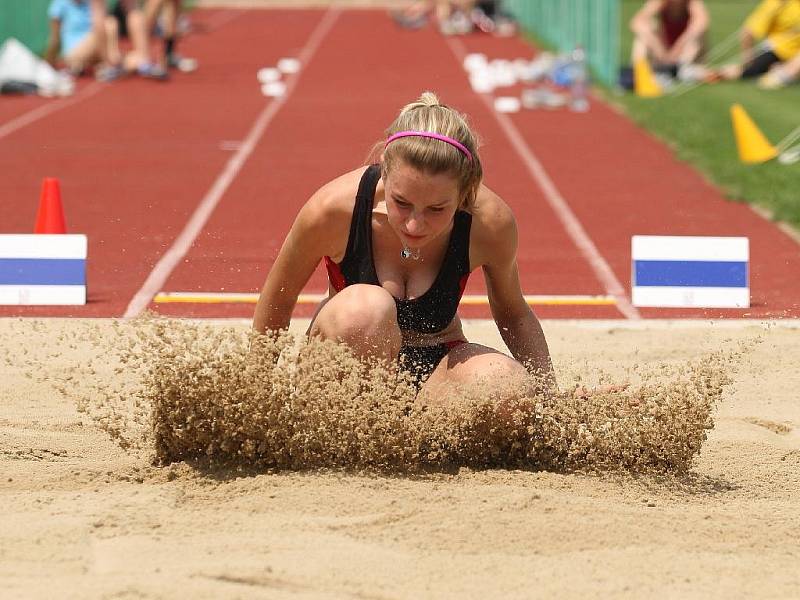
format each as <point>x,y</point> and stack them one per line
<point>435,309</point>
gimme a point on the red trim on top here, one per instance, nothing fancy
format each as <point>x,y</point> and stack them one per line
<point>335,274</point>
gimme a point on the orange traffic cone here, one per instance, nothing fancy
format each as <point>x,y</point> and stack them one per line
<point>50,216</point>
<point>753,145</point>
<point>645,83</point>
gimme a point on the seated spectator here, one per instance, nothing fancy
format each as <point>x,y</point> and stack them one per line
<point>169,12</point>
<point>132,24</point>
<point>770,37</point>
<point>452,16</point>
<point>83,36</point>
<point>670,34</point>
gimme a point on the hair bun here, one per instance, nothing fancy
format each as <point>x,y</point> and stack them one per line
<point>429,99</point>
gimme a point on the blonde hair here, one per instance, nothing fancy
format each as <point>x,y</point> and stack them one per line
<point>430,155</point>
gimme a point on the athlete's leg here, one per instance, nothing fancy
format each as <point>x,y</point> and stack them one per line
<point>172,58</point>
<point>84,54</point>
<point>169,22</point>
<point>112,41</point>
<point>693,50</point>
<point>780,75</point>
<point>140,40</point>
<point>365,318</point>
<point>648,45</point>
<point>151,11</point>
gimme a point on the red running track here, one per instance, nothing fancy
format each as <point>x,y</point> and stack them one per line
<point>137,158</point>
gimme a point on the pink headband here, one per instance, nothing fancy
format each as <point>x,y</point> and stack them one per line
<point>433,136</point>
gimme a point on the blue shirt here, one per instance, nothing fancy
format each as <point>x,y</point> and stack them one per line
<point>75,17</point>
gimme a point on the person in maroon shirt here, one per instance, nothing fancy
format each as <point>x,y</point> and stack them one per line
<point>670,33</point>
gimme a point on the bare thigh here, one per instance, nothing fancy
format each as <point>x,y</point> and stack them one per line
<point>694,50</point>
<point>84,54</point>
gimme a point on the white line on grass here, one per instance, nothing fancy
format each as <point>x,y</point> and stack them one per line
<point>48,109</point>
<point>556,201</point>
<point>161,272</point>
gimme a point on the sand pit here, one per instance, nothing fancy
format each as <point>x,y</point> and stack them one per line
<point>99,504</point>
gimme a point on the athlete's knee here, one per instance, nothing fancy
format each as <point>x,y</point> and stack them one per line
<point>111,26</point>
<point>360,313</point>
<point>135,18</point>
<point>366,308</point>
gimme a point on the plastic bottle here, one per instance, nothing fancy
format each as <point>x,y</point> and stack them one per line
<point>560,71</point>
<point>579,101</point>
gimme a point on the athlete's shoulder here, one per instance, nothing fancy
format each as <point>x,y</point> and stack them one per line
<point>337,197</point>
<point>324,220</point>
<point>494,228</point>
<point>491,214</point>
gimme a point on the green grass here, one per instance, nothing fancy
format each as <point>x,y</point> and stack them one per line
<point>697,124</point>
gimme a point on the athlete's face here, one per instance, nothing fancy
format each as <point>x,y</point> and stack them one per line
<point>420,206</point>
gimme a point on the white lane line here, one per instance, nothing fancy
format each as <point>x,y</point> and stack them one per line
<point>557,202</point>
<point>163,269</point>
<point>48,109</point>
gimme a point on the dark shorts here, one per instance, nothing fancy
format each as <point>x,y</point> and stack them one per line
<point>421,361</point>
<point>760,65</point>
<point>120,12</point>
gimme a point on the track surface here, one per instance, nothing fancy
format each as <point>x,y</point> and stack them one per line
<point>136,159</point>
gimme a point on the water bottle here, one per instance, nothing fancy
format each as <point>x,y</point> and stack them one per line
<point>579,101</point>
<point>561,72</point>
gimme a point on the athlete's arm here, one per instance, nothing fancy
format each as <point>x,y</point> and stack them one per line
<point>757,27</point>
<point>99,14</point>
<point>642,27</point>
<point>53,42</point>
<point>699,19</point>
<point>496,240</point>
<point>320,229</point>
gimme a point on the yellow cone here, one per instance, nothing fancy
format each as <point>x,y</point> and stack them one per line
<point>644,82</point>
<point>753,146</point>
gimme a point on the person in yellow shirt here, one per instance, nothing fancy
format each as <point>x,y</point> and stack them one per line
<point>770,37</point>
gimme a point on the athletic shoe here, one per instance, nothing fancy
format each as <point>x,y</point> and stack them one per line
<point>409,21</point>
<point>691,73</point>
<point>182,63</point>
<point>505,27</point>
<point>153,71</point>
<point>108,73</point>
<point>457,24</point>
<point>482,21</point>
<point>773,80</point>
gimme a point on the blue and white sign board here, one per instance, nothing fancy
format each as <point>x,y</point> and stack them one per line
<point>42,269</point>
<point>690,271</point>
